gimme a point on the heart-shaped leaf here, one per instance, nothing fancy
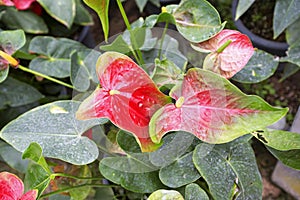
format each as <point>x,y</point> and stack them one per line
<point>179,173</point>
<point>56,130</point>
<point>55,54</point>
<point>127,96</point>
<point>197,20</point>
<point>230,52</point>
<point>213,109</point>
<point>229,170</point>
<point>261,66</point>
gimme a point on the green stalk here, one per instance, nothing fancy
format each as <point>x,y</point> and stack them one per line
<point>140,59</point>
<point>162,39</point>
<point>25,69</point>
<point>76,177</point>
<point>74,187</point>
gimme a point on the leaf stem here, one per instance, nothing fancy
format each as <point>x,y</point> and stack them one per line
<point>45,76</point>
<point>162,39</point>
<point>123,13</point>
<point>76,177</point>
<point>75,187</point>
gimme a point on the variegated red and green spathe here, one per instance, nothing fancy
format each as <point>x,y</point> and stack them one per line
<point>230,52</point>
<point>12,188</point>
<point>127,96</point>
<point>213,109</point>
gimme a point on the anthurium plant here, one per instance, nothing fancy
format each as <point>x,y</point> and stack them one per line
<point>153,113</point>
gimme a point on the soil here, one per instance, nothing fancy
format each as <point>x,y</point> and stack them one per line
<point>259,19</point>
<point>286,93</point>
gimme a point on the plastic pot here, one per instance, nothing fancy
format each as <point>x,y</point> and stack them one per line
<point>271,46</point>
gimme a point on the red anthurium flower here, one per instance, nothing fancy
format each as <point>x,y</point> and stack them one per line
<point>6,2</point>
<point>12,188</point>
<point>127,96</point>
<point>230,52</point>
<point>19,4</point>
<point>211,108</point>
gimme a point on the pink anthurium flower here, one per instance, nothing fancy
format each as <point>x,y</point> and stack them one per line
<point>127,96</point>
<point>230,52</point>
<point>19,4</point>
<point>210,107</point>
<point>12,188</point>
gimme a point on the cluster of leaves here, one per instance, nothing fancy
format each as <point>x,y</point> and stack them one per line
<point>181,132</point>
<point>285,19</point>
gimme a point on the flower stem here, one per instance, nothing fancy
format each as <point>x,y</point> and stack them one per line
<point>74,187</point>
<point>76,177</point>
<point>123,13</point>
<point>162,39</point>
<point>44,76</point>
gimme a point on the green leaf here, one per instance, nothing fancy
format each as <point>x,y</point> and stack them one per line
<point>101,8</point>
<point>61,10</point>
<point>15,93</point>
<point>197,20</point>
<point>290,158</point>
<point>13,157</point>
<point>229,170</point>
<point>289,70</point>
<point>174,146</point>
<point>278,139</point>
<point>292,33</point>
<point>36,178</point>
<point>34,152</point>
<point>127,142</point>
<point>3,76</point>
<point>82,16</point>
<point>55,55</point>
<point>179,173</point>
<point>83,69</point>
<point>242,7</point>
<point>12,41</point>
<point>260,67</point>
<point>141,4</point>
<point>118,45</point>
<point>194,191</point>
<point>285,13</point>
<point>56,130</point>
<point>82,192</point>
<point>166,17</point>
<point>293,55</point>
<point>166,73</point>
<point>104,194</point>
<point>130,174</point>
<point>25,20</point>
<point>166,195</point>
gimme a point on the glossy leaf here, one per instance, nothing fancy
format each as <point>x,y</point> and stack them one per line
<point>118,45</point>
<point>166,73</point>
<point>293,55</point>
<point>101,8</point>
<point>130,174</point>
<point>83,69</point>
<point>16,93</point>
<point>55,54</point>
<point>292,33</point>
<point>230,52</point>
<point>242,7</point>
<point>260,67</point>
<point>278,139</point>
<point>11,41</point>
<point>57,10</point>
<point>229,170</point>
<point>194,191</point>
<point>179,173</point>
<point>3,73</point>
<point>127,96</point>
<point>285,13</point>
<point>82,17</point>
<point>165,195</point>
<point>11,187</point>
<point>213,109</point>
<point>25,20</point>
<point>141,4</point>
<point>197,20</point>
<point>57,131</point>
<point>290,158</point>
